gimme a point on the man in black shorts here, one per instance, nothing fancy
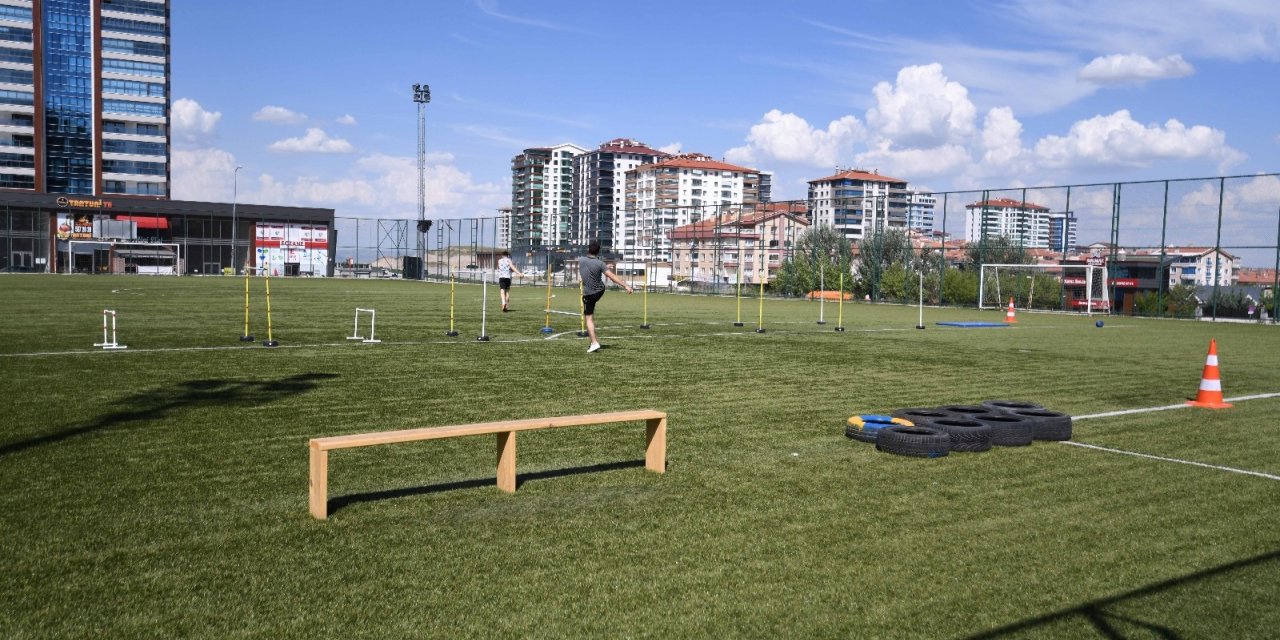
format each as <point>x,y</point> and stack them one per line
<point>593,271</point>
<point>505,269</point>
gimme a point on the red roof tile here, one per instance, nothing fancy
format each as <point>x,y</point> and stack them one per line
<point>855,174</point>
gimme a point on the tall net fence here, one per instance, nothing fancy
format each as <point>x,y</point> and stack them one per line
<point>1183,247</point>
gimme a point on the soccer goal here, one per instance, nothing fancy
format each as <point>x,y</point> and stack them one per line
<point>1071,288</point>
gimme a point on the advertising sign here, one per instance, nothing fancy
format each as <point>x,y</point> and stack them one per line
<point>291,249</point>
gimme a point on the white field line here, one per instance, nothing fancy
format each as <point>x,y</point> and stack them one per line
<point>1109,414</point>
<point>1164,459</point>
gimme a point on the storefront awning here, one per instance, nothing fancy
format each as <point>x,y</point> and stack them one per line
<point>144,253</point>
<point>147,222</point>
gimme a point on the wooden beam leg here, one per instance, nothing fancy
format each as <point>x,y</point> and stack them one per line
<point>319,491</point>
<point>507,461</point>
<point>655,453</point>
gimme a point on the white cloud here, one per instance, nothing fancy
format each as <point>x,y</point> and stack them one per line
<point>1223,29</point>
<point>347,119</point>
<point>278,115</point>
<point>192,125</point>
<point>387,187</point>
<point>315,141</point>
<point>203,175</point>
<point>786,137</point>
<point>672,148</point>
<point>490,7</point>
<point>1124,68</point>
<point>911,164</point>
<point>1118,140</point>
<point>1001,138</point>
<point>922,109</point>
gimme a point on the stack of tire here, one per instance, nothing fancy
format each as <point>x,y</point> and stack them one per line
<point>933,432</point>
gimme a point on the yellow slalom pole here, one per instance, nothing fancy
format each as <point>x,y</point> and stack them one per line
<point>245,337</point>
<point>452,332</point>
<point>840,306</point>
<point>645,324</point>
<point>738,323</point>
<point>760,319</point>
<point>270,341</point>
<point>546,328</point>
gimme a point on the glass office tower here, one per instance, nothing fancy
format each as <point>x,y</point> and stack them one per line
<point>84,97</point>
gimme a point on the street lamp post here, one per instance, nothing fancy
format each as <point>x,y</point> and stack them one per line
<point>235,188</point>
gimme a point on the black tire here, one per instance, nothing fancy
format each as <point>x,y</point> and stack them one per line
<point>921,416</point>
<point>864,430</point>
<point>1047,425</point>
<point>1009,430</point>
<point>1012,405</point>
<point>966,434</point>
<point>919,442</point>
<point>974,411</point>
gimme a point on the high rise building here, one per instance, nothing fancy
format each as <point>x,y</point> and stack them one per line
<point>599,189</point>
<point>920,207</point>
<point>84,97</point>
<point>542,199</point>
<point>677,191</point>
<point>1025,224</point>
<point>858,203</point>
<point>1062,231</point>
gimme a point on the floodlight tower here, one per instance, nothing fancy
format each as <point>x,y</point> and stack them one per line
<point>421,96</point>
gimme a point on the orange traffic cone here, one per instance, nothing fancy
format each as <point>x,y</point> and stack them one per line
<point>1008,316</point>
<point>1210,395</point>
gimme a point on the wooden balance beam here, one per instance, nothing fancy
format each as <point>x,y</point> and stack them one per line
<point>655,457</point>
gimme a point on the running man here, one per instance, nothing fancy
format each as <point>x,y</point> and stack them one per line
<point>593,271</point>
<point>505,268</point>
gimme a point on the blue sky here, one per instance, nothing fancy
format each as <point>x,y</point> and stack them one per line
<point>314,98</point>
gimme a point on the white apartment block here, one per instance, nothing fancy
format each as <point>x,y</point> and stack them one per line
<point>1199,266</point>
<point>738,247</point>
<point>920,207</point>
<point>1025,224</point>
<point>858,203</point>
<point>600,187</point>
<point>677,191</point>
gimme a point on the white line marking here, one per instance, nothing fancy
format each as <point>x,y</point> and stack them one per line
<point>1109,414</point>
<point>1163,459</point>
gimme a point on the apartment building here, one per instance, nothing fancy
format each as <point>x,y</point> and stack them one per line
<point>599,190</point>
<point>920,211</point>
<point>1197,266</point>
<point>1062,231</point>
<point>744,245</point>
<point>857,202</point>
<point>1026,224</point>
<point>677,191</point>
<point>542,198</point>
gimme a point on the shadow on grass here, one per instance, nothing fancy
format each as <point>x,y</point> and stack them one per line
<point>1111,624</point>
<point>521,478</point>
<point>164,401</point>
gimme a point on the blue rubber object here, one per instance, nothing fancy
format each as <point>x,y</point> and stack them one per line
<point>547,329</point>
<point>1098,324</point>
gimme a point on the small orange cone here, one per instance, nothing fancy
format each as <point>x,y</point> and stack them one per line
<point>1210,395</point>
<point>1008,316</point>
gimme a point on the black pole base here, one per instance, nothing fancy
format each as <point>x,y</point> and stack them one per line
<point>646,326</point>
<point>270,343</point>
<point>919,326</point>
<point>840,329</point>
<point>760,330</point>
<point>246,338</point>
<point>582,334</point>
<point>451,334</point>
<point>822,322</point>
<point>482,339</point>
<point>738,324</point>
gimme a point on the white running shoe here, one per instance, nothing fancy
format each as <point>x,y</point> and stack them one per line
<point>595,346</point>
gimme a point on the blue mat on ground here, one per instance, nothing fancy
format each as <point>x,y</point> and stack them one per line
<point>972,325</point>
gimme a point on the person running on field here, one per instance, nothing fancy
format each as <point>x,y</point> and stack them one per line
<point>505,268</point>
<point>593,271</point>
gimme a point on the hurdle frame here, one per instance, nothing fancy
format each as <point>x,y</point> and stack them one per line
<point>113,343</point>
<point>373,327</point>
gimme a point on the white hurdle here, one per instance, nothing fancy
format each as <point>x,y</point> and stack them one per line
<point>373,321</point>
<point>109,344</point>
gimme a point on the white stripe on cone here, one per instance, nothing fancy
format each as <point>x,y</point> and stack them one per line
<point>1210,385</point>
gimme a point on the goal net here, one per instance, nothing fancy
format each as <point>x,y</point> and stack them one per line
<point>1073,288</point>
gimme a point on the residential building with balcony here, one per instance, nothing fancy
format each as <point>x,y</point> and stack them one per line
<point>746,245</point>
<point>857,203</point>
<point>600,187</point>
<point>677,191</point>
<point>1025,224</point>
<point>920,207</point>
<point>542,200</point>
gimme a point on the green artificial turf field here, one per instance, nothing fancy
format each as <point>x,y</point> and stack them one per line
<point>161,490</point>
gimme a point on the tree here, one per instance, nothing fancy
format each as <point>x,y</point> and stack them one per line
<point>997,250</point>
<point>820,255</point>
<point>876,253</point>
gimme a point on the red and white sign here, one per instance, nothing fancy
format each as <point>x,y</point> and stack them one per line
<point>1128,283</point>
